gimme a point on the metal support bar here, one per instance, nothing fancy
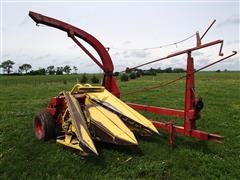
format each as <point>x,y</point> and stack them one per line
<point>171,133</point>
<point>180,53</point>
<point>158,110</point>
<point>208,29</point>
<point>86,51</point>
<point>179,78</point>
<point>194,133</point>
<point>189,111</point>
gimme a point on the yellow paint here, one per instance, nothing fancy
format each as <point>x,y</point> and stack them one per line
<point>110,122</point>
<point>119,105</point>
<point>82,133</point>
<point>73,144</point>
<point>101,117</point>
<point>79,88</point>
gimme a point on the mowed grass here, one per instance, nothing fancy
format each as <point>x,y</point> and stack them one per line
<point>24,157</point>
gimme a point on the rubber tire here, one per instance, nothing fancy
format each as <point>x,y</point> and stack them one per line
<point>46,124</point>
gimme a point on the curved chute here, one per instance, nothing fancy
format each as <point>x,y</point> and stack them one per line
<point>107,66</point>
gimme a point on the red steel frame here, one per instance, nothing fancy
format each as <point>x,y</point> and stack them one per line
<point>190,113</point>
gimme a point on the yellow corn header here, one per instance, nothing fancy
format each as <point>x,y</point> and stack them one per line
<point>88,113</point>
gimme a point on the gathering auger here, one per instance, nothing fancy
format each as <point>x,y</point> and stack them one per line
<point>88,113</point>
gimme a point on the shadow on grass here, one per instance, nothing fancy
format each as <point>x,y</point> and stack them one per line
<point>89,159</point>
<point>193,144</point>
<point>101,147</point>
<point>129,150</point>
<point>162,141</point>
<point>197,145</point>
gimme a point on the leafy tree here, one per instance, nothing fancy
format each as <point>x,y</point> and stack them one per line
<point>59,71</point>
<point>178,70</point>
<point>40,71</point>
<point>132,75</point>
<point>138,74</point>
<point>116,73</point>
<point>84,78</point>
<point>67,69</point>
<point>152,72</point>
<point>20,70</point>
<point>94,79</point>
<point>75,69</point>
<point>124,77</point>
<point>50,70</point>
<point>7,66</point>
<point>159,70</point>
<point>128,70</point>
<point>168,70</point>
<point>24,67</point>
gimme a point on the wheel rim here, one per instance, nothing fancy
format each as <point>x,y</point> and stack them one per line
<point>38,128</point>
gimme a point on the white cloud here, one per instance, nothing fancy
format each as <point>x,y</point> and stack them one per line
<point>26,20</point>
<point>131,29</point>
<point>126,42</point>
<point>232,20</point>
<point>234,42</point>
<point>135,54</point>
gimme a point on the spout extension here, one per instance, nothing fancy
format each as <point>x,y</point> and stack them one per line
<point>208,29</point>
<point>234,52</point>
<point>220,50</point>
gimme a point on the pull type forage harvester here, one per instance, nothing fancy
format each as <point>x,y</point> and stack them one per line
<point>88,113</point>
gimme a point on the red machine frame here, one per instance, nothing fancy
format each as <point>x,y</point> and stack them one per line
<point>191,110</point>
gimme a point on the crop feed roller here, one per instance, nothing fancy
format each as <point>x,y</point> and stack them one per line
<point>95,113</point>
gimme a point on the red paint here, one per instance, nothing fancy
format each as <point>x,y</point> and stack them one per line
<point>158,110</point>
<point>38,128</point>
<point>189,115</point>
<point>189,119</point>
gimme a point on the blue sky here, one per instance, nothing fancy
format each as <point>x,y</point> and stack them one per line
<point>121,25</point>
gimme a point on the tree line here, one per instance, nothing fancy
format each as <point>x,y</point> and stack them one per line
<point>7,67</point>
<point>136,73</point>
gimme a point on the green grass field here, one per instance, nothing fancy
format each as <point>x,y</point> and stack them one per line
<point>24,157</point>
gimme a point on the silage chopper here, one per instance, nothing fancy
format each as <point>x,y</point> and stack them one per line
<point>95,113</point>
